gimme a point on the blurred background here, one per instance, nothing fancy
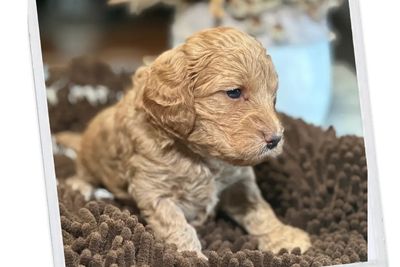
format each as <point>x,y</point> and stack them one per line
<point>310,42</point>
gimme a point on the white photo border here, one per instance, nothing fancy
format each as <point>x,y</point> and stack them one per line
<point>45,136</point>
<point>377,255</point>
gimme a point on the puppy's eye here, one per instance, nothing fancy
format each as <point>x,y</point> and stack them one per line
<point>234,93</point>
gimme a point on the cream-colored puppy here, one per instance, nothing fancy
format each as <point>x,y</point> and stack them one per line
<point>183,139</point>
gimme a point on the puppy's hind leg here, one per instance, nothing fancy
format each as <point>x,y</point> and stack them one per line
<point>78,184</point>
<point>65,142</point>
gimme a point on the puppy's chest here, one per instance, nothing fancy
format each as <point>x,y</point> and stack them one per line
<point>198,195</point>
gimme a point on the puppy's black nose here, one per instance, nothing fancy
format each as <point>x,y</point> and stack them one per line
<point>273,141</point>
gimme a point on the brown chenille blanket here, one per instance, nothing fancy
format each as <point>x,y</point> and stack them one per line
<point>319,184</point>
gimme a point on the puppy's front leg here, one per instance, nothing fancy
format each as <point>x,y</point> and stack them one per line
<point>244,203</point>
<point>170,224</point>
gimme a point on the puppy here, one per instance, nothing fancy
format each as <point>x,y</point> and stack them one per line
<point>183,139</point>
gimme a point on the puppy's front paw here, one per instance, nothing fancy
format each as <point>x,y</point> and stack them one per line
<point>187,240</point>
<point>201,255</point>
<point>284,236</point>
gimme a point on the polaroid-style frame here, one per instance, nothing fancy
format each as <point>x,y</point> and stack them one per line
<point>376,237</point>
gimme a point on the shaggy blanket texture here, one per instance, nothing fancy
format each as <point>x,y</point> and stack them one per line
<point>319,184</point>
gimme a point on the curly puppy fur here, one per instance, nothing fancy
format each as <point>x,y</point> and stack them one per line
<point>179,145</point>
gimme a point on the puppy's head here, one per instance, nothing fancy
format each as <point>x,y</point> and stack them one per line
<point>217,93</point>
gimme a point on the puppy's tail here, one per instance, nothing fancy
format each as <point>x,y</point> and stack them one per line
<point>70,140</point>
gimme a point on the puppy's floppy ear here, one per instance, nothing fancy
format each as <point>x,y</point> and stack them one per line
<point>168,96</point>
